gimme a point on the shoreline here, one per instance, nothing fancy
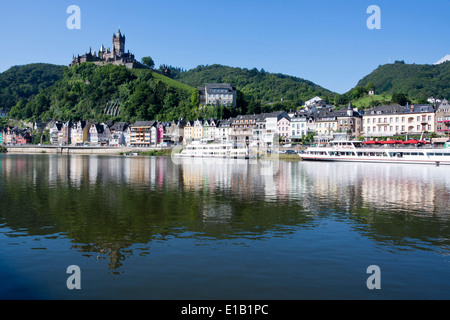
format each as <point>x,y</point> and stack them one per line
<point>83,150</point>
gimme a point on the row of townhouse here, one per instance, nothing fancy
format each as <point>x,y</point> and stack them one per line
<point>140,133</point>
<point>383,121</point>
<point>14,136</point>
<point>260,130</point>
<point>326,122</point>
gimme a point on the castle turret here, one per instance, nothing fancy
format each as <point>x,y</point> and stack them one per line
<point>119,43</point>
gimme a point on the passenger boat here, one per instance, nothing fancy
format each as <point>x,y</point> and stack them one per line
<point>216,150</point>
<point>373,151</point>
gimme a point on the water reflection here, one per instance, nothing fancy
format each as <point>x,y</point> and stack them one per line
<point>106,204</point>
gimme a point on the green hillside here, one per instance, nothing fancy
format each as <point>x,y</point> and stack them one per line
<point>417,82</point>
<point>370,101</point>
<point>85,92</point>
<point>268,88</point>
<point>24,82</point>
<point>45,91</point>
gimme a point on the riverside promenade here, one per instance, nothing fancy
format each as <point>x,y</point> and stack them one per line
<point>77,149</point>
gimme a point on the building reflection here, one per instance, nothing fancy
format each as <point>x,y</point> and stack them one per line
<point>108,203</point>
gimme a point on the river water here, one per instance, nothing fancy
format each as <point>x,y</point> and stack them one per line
<point>154,228</point>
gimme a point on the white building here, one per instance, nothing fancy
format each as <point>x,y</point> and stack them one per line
<point>268,127</point>
<point>79,133</point>
<point>314,102</point>
<point>385,121</point>
<point>55,131</point>
<point>99,134</point>
<point>209,129</point>
<point>298,127</point>
<point>217,94</point>
<point>433,100</point>
<point>283,126</point>
<point>223,131</point>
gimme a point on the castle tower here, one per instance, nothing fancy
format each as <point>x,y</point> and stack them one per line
<point>119,43</point>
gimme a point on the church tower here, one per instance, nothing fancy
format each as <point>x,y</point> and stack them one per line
<point>119,43</point>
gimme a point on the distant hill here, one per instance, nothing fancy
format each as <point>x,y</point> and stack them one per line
<point>26,81</point>
<point>417,82</point>
<point>260,85</point>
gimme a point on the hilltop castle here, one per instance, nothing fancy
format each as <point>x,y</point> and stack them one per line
<point>116,56</point>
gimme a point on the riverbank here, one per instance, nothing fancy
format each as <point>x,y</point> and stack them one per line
<point>136,151</point>
<point>84,150</point>
<point>153,153</point>
<point>281,156</point>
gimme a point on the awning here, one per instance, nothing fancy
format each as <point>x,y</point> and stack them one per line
<point>412,141</point>
<point>370,142</point>
<point>389,142</point>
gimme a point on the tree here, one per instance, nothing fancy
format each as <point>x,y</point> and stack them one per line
<point>195,98</point>
<point>254,107</point>
<point>370,86</point>
<point>400,98</point>
<point>148,61</point>
<point>340,100</point>
<point>357,92</point>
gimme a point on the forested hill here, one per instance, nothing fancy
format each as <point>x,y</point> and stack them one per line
<point>100,93</point>
<point>256,84</point>
<point>418,82</point>
<point>24,82</point>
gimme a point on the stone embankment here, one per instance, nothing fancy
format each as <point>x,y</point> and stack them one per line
<point>76,150</point>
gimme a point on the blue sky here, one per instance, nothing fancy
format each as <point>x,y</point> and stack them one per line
<point>326,42</point>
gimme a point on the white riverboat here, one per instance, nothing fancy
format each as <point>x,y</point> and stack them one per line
<point>216,150</point>
<point>372,151</point>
